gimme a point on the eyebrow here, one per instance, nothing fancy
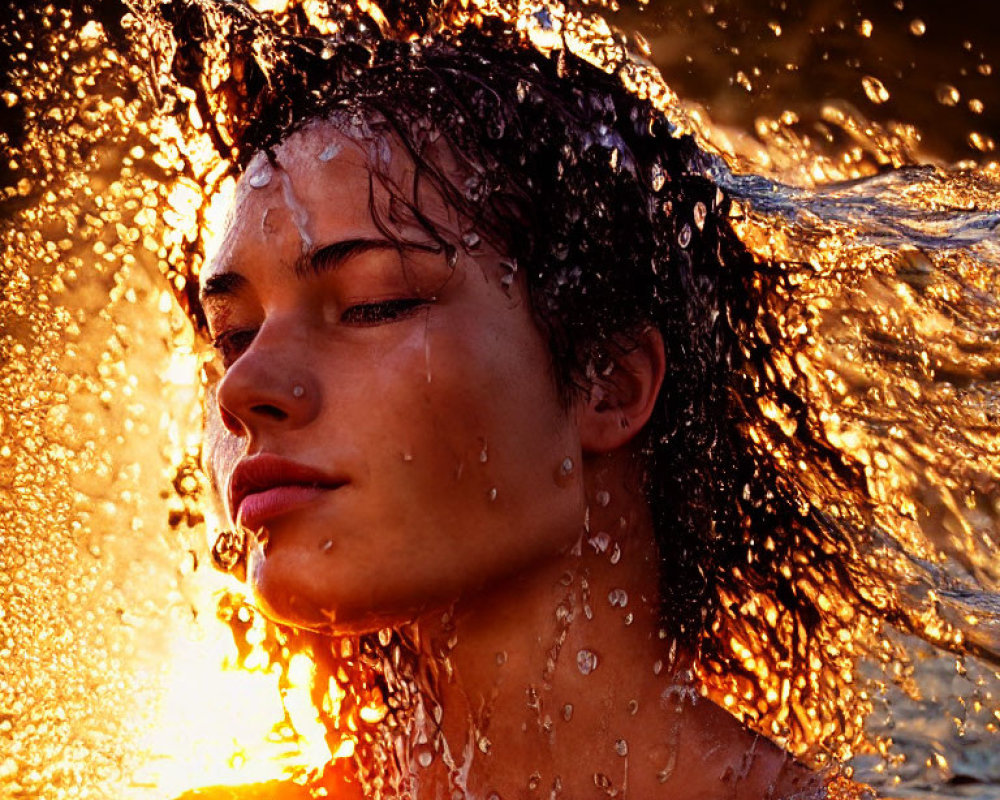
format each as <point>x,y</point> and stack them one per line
<point>323,259</point>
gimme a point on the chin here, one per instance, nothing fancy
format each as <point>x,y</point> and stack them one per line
<point>288,594</point>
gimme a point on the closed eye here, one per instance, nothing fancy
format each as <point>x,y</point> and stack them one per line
<point>232,344</point>
<point>383,311</point>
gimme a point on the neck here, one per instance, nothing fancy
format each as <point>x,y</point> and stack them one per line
<point>563,681</point>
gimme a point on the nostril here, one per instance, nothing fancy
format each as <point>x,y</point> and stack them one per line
<point>272,412</point>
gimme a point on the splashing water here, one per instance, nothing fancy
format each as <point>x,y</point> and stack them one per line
<point>886,325</point>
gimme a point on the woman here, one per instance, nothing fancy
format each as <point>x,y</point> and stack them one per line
<point>479,316</point>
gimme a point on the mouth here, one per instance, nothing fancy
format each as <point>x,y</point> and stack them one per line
<point>264,487</point>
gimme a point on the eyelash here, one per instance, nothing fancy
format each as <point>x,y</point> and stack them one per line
<point>231,344</point>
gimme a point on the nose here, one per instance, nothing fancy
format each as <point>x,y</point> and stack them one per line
<point>270,387</point>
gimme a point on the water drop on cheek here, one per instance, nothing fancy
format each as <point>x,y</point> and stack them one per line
<point>326,546</point>
<point>603,498</point>
<point>586,661</point>
<point>492,494</point>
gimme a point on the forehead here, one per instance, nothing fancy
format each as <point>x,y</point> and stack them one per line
<point>327,183</point>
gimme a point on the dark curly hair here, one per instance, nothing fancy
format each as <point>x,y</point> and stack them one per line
<point>592,193</point>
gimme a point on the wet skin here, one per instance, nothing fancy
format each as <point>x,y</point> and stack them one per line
<point>426,393</point>
<point>450,476</point>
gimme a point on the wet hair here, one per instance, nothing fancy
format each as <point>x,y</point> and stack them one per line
<point>608,212</point>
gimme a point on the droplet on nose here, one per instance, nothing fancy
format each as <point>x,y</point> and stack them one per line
<point>260,178</point>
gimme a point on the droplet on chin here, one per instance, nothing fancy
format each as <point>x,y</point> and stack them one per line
<point>326,546</point>
<point>567,466</point>
<point>603,498</point>
<point>621,747</point>
<point>534,781</point>
<point>567,712</point>
<point>586,661</point>
<point>407,457</point>
<point>501,658</point>
<point>616,554</point>
<point>493,494</point>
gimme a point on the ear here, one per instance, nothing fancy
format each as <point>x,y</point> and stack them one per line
<point>619,402</point>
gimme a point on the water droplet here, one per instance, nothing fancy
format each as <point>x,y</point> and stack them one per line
<point>567,466</point>
<point>629,618</point>
<point>976,106</point>
<point>744,81</point>
<point>327,545</point>
<point>407,457</point>
<point>471,240</point>
<point>534,781</point>
<point>875,89</point>
<point>493,494</point>
<point>618,598</point>
<point>865,28</point>
<point>657,177</point>
<point>260,178</point>
<point>616,554</point>
<point>657,667</point>
<point>501,658</point>
<point>699,216</point>
<point>621,747</point>
<point>602,781</point>
<point>567,712</point>
<point>947,95</point>
<point>684,237</point>
<point>385,636</point>
<point>633,707</point>
<point>603,498</point>
<point>484,745</point>
<point>493,796</point>
<point>599,541</point>
<point>483,455</point>
<point>586,661</point>
<point>425,756</point>
<point>918,27</point>
<point>330,151</point>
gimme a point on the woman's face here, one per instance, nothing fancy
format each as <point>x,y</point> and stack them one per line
<point>391,422</point>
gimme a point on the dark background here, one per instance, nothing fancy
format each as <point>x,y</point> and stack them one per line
<point>700,46</point>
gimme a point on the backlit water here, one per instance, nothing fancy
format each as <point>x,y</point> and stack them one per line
<point>110,637</point>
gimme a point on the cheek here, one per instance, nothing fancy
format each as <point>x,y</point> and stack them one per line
<point>479,436</point>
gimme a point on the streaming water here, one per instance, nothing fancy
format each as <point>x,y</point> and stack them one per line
<point>127,663</point>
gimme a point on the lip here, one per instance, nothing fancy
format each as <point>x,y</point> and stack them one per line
<point>265,486</point>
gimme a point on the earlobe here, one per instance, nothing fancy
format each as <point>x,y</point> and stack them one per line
<point>619,403</point>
